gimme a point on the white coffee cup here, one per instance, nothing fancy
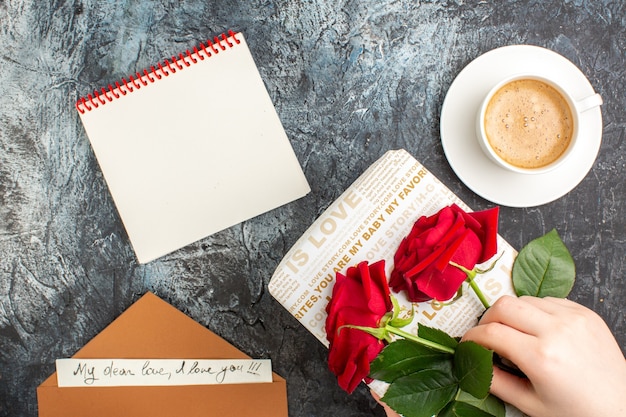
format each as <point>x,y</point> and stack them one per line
<point>529,124</point>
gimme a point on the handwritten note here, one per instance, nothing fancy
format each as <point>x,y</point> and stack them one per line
<point>158,372</point>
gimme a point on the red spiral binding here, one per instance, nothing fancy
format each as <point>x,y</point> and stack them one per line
<point>146,77</point>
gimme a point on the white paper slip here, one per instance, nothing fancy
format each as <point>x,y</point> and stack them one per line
<point>160,372</point>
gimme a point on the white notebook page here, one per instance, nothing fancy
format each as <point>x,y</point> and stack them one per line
<point>194,152</point>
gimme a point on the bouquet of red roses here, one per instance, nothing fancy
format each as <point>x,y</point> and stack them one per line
<point>431,373</point>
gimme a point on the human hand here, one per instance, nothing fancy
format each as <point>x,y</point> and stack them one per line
<point>573,364</point>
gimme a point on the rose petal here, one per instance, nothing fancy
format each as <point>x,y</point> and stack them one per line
<point>468,251</point>
<point>465,251</point>
<point>361,297</point>
<point>413,292</point>
<point>350,358</point>
<point>380,301</point>
<point>489,221</point>
<point>441,286</point>
<point>425,263</point>
<point>421,264</point>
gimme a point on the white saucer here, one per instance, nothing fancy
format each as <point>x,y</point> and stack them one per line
<point>458,115</point>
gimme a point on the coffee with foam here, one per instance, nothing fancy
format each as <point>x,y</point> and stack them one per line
<point>528,123</point>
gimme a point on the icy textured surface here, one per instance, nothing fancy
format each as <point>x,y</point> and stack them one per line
<point>349,79</point>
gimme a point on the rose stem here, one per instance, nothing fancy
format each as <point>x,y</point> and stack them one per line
<point>471,274</point>
<point>417,339</point>
<point>479,293</point>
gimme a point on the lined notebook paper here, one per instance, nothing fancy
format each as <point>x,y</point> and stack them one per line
<point>191,146</point>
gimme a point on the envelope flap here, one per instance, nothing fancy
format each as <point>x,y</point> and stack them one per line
<point>152,328</point>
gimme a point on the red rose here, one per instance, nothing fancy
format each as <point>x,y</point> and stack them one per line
<point>422,261</point>
<point>360,298</point>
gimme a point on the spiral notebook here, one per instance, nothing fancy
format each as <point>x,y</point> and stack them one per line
<point>191,146</point>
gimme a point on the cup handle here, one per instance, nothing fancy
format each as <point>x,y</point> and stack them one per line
<point>588,103</point>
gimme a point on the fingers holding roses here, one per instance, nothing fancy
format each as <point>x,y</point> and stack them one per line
<point>558,344</point>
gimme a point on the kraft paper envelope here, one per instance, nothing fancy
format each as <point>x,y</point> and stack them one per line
<point>152,328</point>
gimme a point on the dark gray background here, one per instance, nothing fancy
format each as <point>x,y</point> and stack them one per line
<point>349,79</point>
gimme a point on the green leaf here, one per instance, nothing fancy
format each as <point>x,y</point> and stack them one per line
<point>436,335</point>
<point>473,366</point>
<point>490,404</point>
<point>448,411</point>
<point>403,357</point>
<point>544,267</point>
<point>421,394</point>
<point>459,409</point>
